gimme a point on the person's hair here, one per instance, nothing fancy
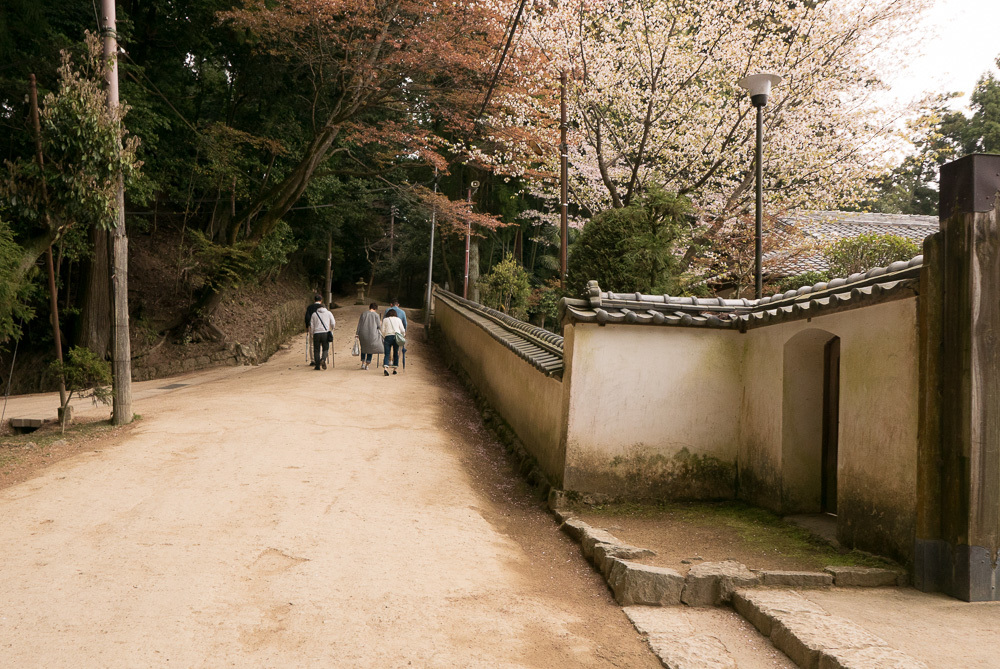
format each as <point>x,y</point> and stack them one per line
<point>373,306</point>
<point>317,298</point>
<point>394,301</point>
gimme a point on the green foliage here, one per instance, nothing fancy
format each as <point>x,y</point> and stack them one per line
<point>229,265</point>
<point>865,252</point>
<point>86,146</point>
<point>506,288</point>
<point>14,304</point>
<point>271,254</point>
<point>804,279</point>
<point>941,136</point>
<point>633,249</point>
<point>85,374</point>
<point>83,371</point>
<point>544,302</point>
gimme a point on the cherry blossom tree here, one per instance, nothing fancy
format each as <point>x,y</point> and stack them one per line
<point>654,99</point>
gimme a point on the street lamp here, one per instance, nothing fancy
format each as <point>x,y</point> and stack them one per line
<point>759,86</point>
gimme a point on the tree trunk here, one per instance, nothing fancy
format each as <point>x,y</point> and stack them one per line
<point>95,316</point>
<point>261,218</point>
<point>277,200</point>
<point>447,267</point>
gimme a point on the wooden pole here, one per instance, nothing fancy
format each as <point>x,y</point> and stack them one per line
<point>53,295</point>
<point>958,457</point>
<point>564,183</point>
<point>121,356</point>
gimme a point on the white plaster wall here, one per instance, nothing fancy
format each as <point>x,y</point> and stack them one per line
<point>528,400</point>
<point>652,411</point>
<point>879,391</point>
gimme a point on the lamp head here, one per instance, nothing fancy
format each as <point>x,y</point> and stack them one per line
<point>759,86</point>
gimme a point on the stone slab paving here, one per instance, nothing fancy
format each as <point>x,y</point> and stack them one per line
<point>943,632</point>
<point>813,638</point>
<point>704,638</point>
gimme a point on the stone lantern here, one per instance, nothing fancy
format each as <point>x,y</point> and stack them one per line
<point>361,291</point>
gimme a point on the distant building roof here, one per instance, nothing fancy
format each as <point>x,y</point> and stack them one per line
<point>897,281</point>
<point>822,227</point>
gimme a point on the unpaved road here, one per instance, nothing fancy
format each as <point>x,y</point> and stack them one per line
<point>282,517</point>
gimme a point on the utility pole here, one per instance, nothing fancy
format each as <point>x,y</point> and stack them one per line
<point>121,350</point>
<point>468,238</point>
<point>392,231</point>
<point>430,263</point>
<point>564,183</point>
<point>53,296</point>
<point>329,267</point>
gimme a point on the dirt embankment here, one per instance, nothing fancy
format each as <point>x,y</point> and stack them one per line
<point>162,284</point>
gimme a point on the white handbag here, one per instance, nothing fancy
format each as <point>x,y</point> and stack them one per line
<point>356,349</point>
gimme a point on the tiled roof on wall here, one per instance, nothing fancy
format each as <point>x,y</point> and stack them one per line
<point>897,281</point>
<point>822,227</point>
<point>541,348</point>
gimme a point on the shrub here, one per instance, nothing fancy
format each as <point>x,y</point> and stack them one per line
<point>804,279</point>
<point>506,288</point>
<point>865,252</point>
<point>85,375</point>
<point>543,304</point>
<point>632,249</point>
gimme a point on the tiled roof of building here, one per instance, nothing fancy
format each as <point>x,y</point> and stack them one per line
<point>897,281</point>
<point>822,227</point>
<point>541,348</point>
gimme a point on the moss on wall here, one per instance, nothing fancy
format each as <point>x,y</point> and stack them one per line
<point>646,473</point>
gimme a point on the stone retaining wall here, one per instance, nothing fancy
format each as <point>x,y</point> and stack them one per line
<point>284,322</point>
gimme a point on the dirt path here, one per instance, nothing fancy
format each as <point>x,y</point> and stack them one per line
<point>283,517</point>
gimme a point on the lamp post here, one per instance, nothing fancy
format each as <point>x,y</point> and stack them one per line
<point>759,87</point>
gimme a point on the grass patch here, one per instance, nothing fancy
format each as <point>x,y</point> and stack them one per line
<point>21,449</point>
<point>758,529</point>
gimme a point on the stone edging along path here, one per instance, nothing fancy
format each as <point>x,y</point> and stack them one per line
<point>811,637</point>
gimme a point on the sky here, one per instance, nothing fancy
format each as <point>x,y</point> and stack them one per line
<point>963,44</point>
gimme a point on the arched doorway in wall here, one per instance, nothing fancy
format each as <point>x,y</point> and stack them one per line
<point>810,422</point>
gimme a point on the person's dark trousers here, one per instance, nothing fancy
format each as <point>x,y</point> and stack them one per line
<point>320,348</point>
<point>389,342</point>
<point>366,358</point>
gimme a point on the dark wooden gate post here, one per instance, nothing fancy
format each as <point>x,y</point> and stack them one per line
<point>958,526</point>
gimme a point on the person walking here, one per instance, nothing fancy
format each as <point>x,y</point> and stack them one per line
<point>310,310</point>
<point>322,324</point>
<point>391,326</point>
<point>394,306</point>
<point>368,334</point>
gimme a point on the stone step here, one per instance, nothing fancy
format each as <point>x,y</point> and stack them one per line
<point>813,638</point>
<point>704,638</point>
